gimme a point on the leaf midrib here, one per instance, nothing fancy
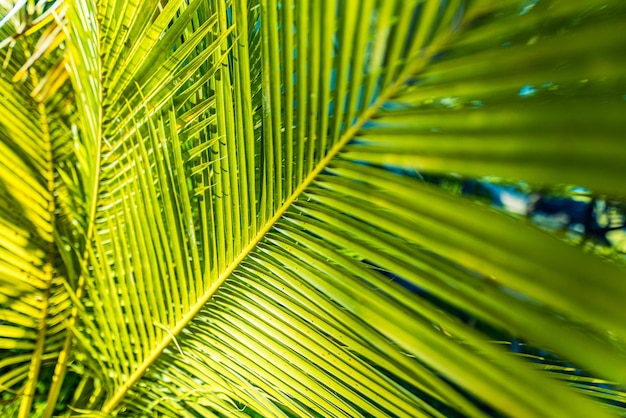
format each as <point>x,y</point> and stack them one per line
<point>64,355</point>
<point>35,364</point>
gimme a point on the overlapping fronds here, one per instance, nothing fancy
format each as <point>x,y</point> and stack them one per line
<point>26,247</point>
<point>230,196</point>
<point>48,170</point>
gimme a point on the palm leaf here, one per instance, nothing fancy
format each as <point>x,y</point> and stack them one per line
<point>230,197</point>
<point>44,206</point>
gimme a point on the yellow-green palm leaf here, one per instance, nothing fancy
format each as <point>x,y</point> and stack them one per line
<point>221,208</point>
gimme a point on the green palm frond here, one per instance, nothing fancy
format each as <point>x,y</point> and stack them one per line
<point>48,174</point>
<point>221,208</point>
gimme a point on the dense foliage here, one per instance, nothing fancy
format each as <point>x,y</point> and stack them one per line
<point>333,208</point>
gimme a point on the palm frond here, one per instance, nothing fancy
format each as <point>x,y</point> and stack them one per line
<point>231,196</point>
<point>49,172</point>
<point>30,324</point>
